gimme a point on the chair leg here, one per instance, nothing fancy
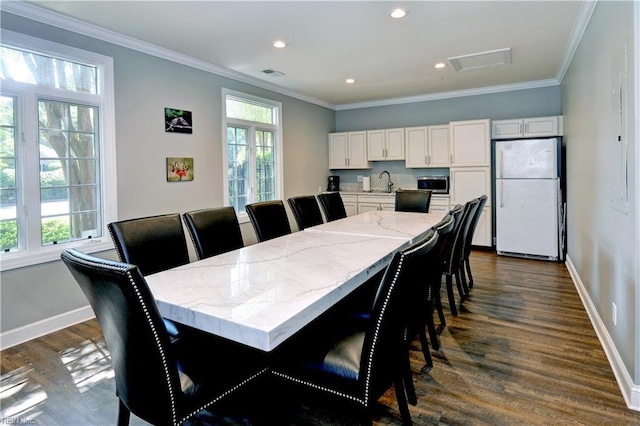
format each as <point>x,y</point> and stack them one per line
<point>431,326</point>
<point>467,265</point>
<point>425,347</point>
<point>402,402</point>
<point>123,414</point>
<point>452,300</point>
<point>438,302</point>
<point>408,381</point>
<point>461,292</point>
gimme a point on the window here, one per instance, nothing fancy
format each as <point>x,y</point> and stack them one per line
<point>57,153</point>
<point>253,150</point>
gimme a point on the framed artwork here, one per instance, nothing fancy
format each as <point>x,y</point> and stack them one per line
<point>177,121</point>
<point>179,169</point>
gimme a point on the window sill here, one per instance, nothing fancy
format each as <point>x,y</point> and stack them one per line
<point>10,261</point>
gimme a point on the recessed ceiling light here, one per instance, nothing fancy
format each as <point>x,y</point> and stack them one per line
<point>350,81</point>
<point>440,65</point>
<point>279,44</point>
<point>398,13</point>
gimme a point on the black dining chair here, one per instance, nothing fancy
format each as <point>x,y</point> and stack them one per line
<point>306,211</point>
<point>269,219</point>
<point>213,231</point>
<point>413,200</point>
<point>153,244</point>
<point>482,201</point>
<point>358,361</point>
<point>332,206</point>
<point>451,265</point>
<point>161,381</point>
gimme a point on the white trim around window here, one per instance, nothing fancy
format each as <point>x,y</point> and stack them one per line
<point>104,100</point>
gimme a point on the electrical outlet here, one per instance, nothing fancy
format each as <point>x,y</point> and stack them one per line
<point>359,178</point>
<point>614,314</point>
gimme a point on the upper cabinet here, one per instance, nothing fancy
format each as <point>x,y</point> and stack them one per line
<point>470,143</point>
<point>385,144</point>
<point>348,150</point>
<point>527,128</point>
<point>427,146</point>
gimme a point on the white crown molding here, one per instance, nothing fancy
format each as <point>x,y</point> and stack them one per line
<point>579,27</point>
<point>70,24</point>
<point>454,94</point>
<point>58,20</point>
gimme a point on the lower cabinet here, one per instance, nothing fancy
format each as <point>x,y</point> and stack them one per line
<point>368,203</point>
<point>350,204</point>
<point>439,204</point>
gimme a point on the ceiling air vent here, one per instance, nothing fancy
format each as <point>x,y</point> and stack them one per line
<point>273,73</point>
<point>476,61</point>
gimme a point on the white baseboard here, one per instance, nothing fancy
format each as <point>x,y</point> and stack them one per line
<point>37,329</point>
<point>630,391</point>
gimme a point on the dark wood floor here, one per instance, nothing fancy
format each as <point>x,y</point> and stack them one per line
<point>522,351</point>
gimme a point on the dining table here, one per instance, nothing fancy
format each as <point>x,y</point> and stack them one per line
<point>262,294</point>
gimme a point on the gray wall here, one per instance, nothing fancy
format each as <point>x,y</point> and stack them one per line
<point>602,240</point>
<point>144,86</point>
<point>496,106</point>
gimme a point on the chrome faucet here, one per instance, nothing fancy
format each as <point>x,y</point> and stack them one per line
<point>389,183</point>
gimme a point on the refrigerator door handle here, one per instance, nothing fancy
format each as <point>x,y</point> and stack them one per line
<point>499,166</point>
<point>501,193</point>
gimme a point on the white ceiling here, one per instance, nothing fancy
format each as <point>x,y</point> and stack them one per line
<point>329,41</point>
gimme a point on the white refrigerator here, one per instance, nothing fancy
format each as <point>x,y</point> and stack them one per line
<point>528,198</point>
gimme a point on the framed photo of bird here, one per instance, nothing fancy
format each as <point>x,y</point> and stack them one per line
<point>179,169</point>
<point>177,121</point>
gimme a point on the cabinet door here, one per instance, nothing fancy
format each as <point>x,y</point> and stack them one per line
<point>368,207</point>
<point>394,149</point>
<point>468,183</point>
<point>416,147</point>
<point>338,143</point>
<point>358,150</point>
<point>375,145</point>
<point>439,204</point>
<point>470,143</point>
<point>350,204</point>
<point>506,129</point>
<point>482,235</point>
<point>540,127</point>
<point>438,146</point>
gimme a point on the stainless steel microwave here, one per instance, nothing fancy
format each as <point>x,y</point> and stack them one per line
<point>435,184</point>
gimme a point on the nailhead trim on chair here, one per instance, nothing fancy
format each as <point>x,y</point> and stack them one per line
<point>174,421</point>
<point>361,401</point>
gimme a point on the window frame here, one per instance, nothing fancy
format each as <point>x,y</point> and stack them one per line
<point>252,127</point>
<point>30,253</point>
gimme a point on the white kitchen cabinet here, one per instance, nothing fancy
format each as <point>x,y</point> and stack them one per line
<point>427,146</point>
<point>348,150</point>
<point>385,144</point>
<point>482,235</point>
<point>439,204</point>
<point>470,143</point>
<point>467,183</point>
<point>350,204</point>
<point>527,127</point>
<point>381,202</point>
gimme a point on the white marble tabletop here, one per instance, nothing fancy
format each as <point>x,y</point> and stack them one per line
<point>382,224</point>
<point>262,294</point>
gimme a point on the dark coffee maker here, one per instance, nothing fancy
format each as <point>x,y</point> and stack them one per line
<point>334,183</point>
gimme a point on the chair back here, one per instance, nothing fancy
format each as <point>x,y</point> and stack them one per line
<point>460,233</point>
<point>384,345</point>
<point>147,380</point>
<point>154,243</point>
<point>269,219</point>
<point>413,200</point>
<point>332,206</point>
<point>446,242</point>
<point>213,231</point>
<point>306,211</point>
<point>482,200</point>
